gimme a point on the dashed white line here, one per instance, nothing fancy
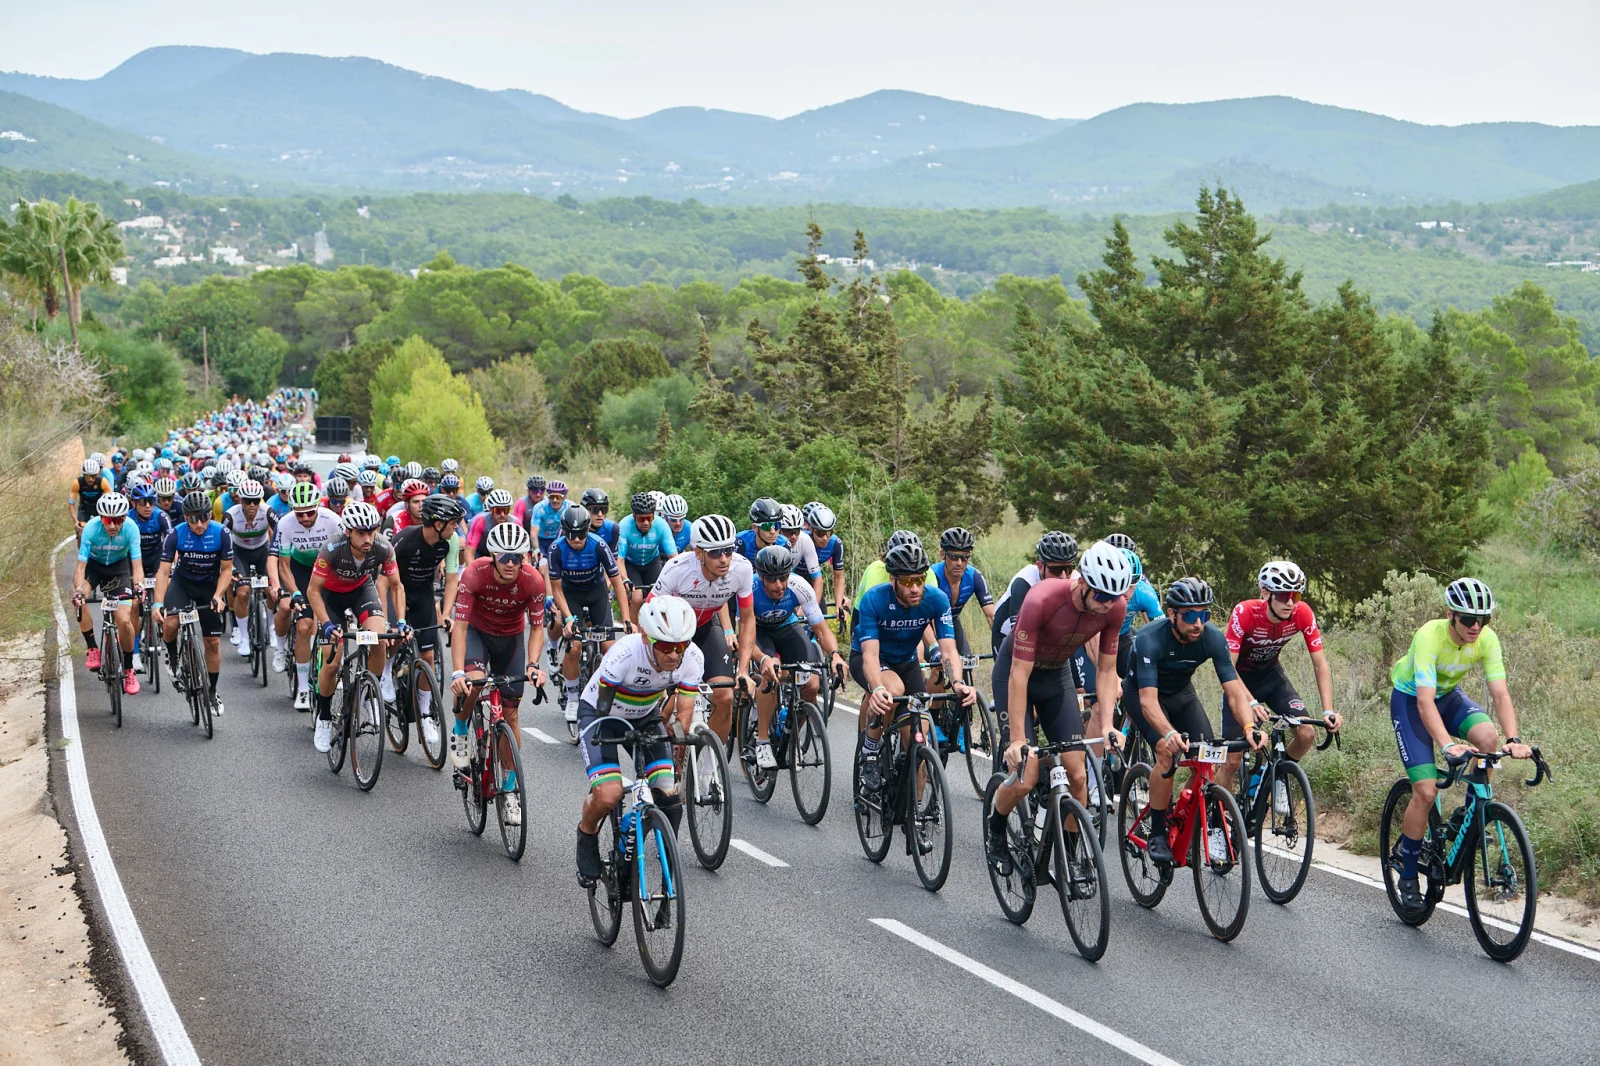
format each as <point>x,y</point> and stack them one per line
<point>756,853</point>
<point>1105,1033</point>
<point>540,735</point>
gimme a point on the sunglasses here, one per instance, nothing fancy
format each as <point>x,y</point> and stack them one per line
<point>1057,571</point>
<point>1286,597</point>
<point>909,581</point>
<point>1104,597</point>
<point>955,557</point>
<point>670,647</point>
<point>1189,618</point>
<point>598,510</point>
<point>509,558</point>
<point>718,553</point>
<point>110,523</point>
<point>766,527</point>
<point>1472,621</point>
<point>577,538</point>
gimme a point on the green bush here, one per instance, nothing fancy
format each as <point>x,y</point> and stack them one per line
<point>629,421</point>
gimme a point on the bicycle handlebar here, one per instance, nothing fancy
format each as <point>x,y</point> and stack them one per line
<point>1057,748</point>
<point>501,681</point>
<point>1231,745</point>
<point>1457,764</point>
<point>1295,721</point>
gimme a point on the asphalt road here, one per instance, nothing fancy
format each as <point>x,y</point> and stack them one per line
<point>296,919</point>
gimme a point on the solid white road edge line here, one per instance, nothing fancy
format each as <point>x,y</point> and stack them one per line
<point>1104,1033</point>
<point>756,853</point>
<point>538,734</point>
<point>159,1011</point>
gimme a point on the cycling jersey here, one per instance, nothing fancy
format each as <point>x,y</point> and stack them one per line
<point>103,548</point>
<point>805,556</point>
<point>341,571</point>
<point>498,608</point>
<point>301,545</point>
<point>1257,638</point>
<point>607,531</point>
<point>798,595</point>
<point>683,536</point>
<point>830,554</point>
<point>1050,627</point>
<point>248,535</point>
<point>278,505</point>
<point>745,544</point>
<point>1437,662</point>
<point>587,567</point>
<point>684,577</point>
<point>85,492</point>
<point>419,561</point>
<point>639,687</point>
<point>197,557</point>
<point>1162,662</point>
<point>972,584</point>
<point>897,628</point>
<point>152,532</point>
<point>547,520</point>
<point>641,548</point>
<point>1005,608</point>
<point>874,575</point>
<point>474,505</point>
<point>1142,600</point>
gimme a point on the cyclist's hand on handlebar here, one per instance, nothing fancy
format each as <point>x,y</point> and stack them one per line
<point>747,684</point>
<point>1520,750</point>
<point>1335,721</point>
<point>1456,749</point>
<point>628,626</point>
<point>537,675</point>
<point>879,701</point>
<point>1114,739</point>
<point>218,604</point>
<point>329,630</point>
<point>968,694</point>
<point>569,629</point>
<point>769,669</point>
<point>460,685</point>
<point>403,628</point>
<point>1260,710</point>
<point>1172,744</point>
<point>1257,739</point>
<point>1014,754</point>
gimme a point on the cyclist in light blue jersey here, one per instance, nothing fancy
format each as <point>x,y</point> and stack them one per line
<point>644,542</point>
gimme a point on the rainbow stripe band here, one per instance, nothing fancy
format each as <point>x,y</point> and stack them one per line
<point>657,772</point>
<point>635,700</point>
<point>604,774</point>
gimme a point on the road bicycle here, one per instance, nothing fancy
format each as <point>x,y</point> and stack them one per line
<point>703,769</point>
<point>358,718</point>
<point>416,684</point>
<point>1205,830</point>
<point>190,677</point>
<point>299,608</point>
<point>1483,845</point>
<point>111,662</point>
<point>591,641</point>
<point>1043,849</point>
<point>481,783</point>
<point>150,639</point>
<point>639,862</point>
<point>914,795</point>
<point>970,730</point>
<point>1280,813</point>
<point>799,737</point>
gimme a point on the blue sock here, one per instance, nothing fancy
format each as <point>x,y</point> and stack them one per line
<point>460,728</point>
<point>138,643</point>
<point>510,783</point>
<point>1410,852</point>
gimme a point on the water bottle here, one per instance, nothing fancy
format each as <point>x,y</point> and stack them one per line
<point>782,720</point>
<point>1039,817</point>
<point>1255,780</point>
<point>1456,819</point>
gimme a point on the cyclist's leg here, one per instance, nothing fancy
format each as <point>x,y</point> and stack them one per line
<point>1056,710</point>
<point>604,772</point>
<point>211,630</point>
<point>1186,713</point>
<point>659,771</point>
<point>508,656</point>
<point>892,681</point>
<point>713,646</point>
<point>1007,798</point>
<point>1416,754</point>
<point>766,701</point>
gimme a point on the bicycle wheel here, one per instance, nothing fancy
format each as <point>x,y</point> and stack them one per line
<point>366,732</point>
<point>1146,883</point>
<point>605,895</point>
<point>1287,832</point>
<point>1099,796</point>
<point>706,785</point>
<point>396,716</point>
<point>190,670</point>
<point>1221,871</point>
<point>111,671</point>
<point>1080,877</point>
<point>929,822</point>
<point>874,822</point>
<point>1502,884</point>
<point>658,908</point>
<point>1015,891</point>
<point>152,651</point>
<point>513,837</point>
<point>203,696</point>
<point>810,767</point>
<point>1394,810</point>
<point>762,782</point>
<point>981,733</point>
<point>473,800</point>
<point>424,694</point>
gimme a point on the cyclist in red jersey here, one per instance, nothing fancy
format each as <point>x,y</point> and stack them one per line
<point>1257,633</point>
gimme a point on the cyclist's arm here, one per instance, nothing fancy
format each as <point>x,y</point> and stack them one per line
<point>314,597</point>
<point>747,635</point>
<point>870,668</point>
<point>1017,699</point>
<point>1324,675</point>
<point>458,646</point>
<point>397,589</point>
<point>561,600</point>
<point>1105,712</point>
<point>80,579</point>
<point>620,589</point>
<point>451,583</point>
<point>1503,711</point>
<point>163,576</point>
<point>684,708</point>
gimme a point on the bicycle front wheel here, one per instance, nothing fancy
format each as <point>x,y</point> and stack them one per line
<point>1080,877</point>
<point>1221,871</point>
<point>762,782</point>
<point>203,696</point>
<point>1394,811</point>
<point>1146,882</point>
<point>874,822</point>
<point>706,785</point>
<point>930,827</point>
<point>1015,891</point>
<point>397,716</point>
<point>980,743</point>
<point>473,800</point>
<point>658,907</point>
<point>366,732</point>
<point>513,837</point>
<point>111,670</point>
<point>152,651</point>
<point>1502,884</point>
<point>605,895</point>
<point>810,767</point>
<point>426,707</point>
<point>1287,832</point>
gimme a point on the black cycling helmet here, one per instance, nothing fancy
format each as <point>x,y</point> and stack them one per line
<point>1057,548</point>
<point>574,520</point>
<point>439,508</point>
<point>535,483</point>
<point>956,539</point>
<point>766,509</point>
<point>643,503</point>
<point>1189,592</point>
<point>595,498</point>
<point>257,472</point>
<point>197,502</point>
<point>432,473</point>
<point>775,561</point>
<point>190,483</point>
<point>906,559</point>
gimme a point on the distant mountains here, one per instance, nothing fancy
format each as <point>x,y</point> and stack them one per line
<point>223,120</point>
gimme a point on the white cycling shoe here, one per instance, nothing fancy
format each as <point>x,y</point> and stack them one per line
<point>1280,799</point>
<point>386,688</point>
<point>430,732</point>
<point>764,757</point>
<point>233,637</point>
<point>322,740</point>
<point>280,659</point>
<point>511,807</point>
<point>302,700</point>
<point>460,750</point>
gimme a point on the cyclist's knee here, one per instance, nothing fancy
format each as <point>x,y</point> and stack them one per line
<point>1484,736</point>
<point>607,793</point>
<point>1425,790</point>
<point>1305,734</point>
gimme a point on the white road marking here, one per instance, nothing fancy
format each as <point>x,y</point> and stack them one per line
<point>756,853</point>
<point>166,1025</point>
<point>540,735</point>
<point>1105,1033</point>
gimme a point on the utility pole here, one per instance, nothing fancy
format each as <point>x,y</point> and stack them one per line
<point>205,357</point>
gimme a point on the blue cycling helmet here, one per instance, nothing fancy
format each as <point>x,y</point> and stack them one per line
<point>1133,561</point>
<point>140,490</point>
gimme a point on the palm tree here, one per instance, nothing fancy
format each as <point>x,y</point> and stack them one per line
<point>57,249</point>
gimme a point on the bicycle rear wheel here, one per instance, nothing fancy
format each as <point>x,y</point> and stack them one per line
<point>605,895</point>
<point>658,907</point>
<point>980,744</point>
<point>1502,884</point>
<point>810,767</point>
<point>1221,870</point>
<point>1016,890</point>
<point>762,782</point>
<point>930,825</point>
<point>1394,811</point>
<point>152,651</point>
<point>111,671</point>
<point>425,706</point>
<point>706,785</point>
<point>1080,877</point>
<point>1146,883</point>
<point>513,837</point>
<point>1287,832</point>
<point>366,732</point>
<point>874,822</point>
<point>341,734</point>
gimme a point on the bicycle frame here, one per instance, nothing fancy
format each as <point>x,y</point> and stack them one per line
<point>636,799</point>
<point>1255,807</point>
<point>1479,793</point>
<point>1188,810</point>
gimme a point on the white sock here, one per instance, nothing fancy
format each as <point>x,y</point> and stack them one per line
<point>388,670</point>
<point>424,701</point>
<point>569,686</point>
<point>303,671</point>
<point>274,640</point>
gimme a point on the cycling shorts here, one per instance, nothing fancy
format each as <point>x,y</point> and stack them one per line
<point>1125,654</point>
<point>788,643</point>
<point>909,673</point>
<point>113,579</point>
<point>591,605</point>
<point>1272,687</point>
<point>181,595</point>
<point>245,558</point>
<point>601,762</point>
<point>495,654</point>
<point>1052,700</point>
<point>361,600</point>
<point>713,644</point>
<point>422,610</point>
<point>1459,713</point>
<point>643,575</point>
<point>962,646</point>
<point>1182,708</point>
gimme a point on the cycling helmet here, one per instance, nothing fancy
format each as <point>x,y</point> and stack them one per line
<point>498,498</point>
<point>257,472</point>
<point>209,473</point>
<point>283,482</point>
<point>338,488</point>
<point>304,496</point>
<point>371,462</point>
<point>507,537</point>
<point>191,483</point>
<point>91,467</point>
<point>303,467</point>
<point>445,509</point>
<point>713,531</point>
<point>899,537</point>
<point>99,457</point>
<point>819,516</point>
<point>144,466</point>
<point>344,457</point>
<point>535,483</point>
<point>344,470</point>
<point>1121,540</point>
<point>1058,548</point>
<point>1189,592</point>
<point>790,517</point>
<point>449,483</point>
<point>642,503</point>
<point>393,460</point>
<point>249,490</point>
<point>775,562</point>
<point>574,520</point>
<point>165,486</point>
<point>141,490</point>
<point>1133,563</point>
<point>367,479</point>
<point>449,466</point>
<point>414,487</point>
<point>906,559</point>
<point>1468,595</point>
<point>484,485</point>
<point>360,516</point>
<point>674,506</point>
<point>164,463</point>
<point>114,505</point>
<point>658,498</point>
<point>1105,569</point>
<point>667,618</point>
<point>556,488</point>
<point>595,498</point>
<point>224,467</point>
<point>766,509</point>
<point>1281,576</point>
<point>196,502</point>
<point>413,469</point>
<point>956,539</point>
<point>431,473</point>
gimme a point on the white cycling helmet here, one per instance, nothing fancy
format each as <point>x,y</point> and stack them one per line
<point>1105,569</point>
<point>165,486</point>
<point>91,466</point>
<point>712,531</point>
<point>820,517</point>
<point>1468,595</point>
<point>507,538</point>
<point>1281,576</point>
<point>484,485</point>
<point>667,618</point>
<point>112,505</point>
<point>449,466</point>
<point>360,516</point>
<point>790,517</point>
<point>498,498</point>
<point>674,506</point>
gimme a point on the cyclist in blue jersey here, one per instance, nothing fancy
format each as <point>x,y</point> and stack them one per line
<point>960,581</point>
<point>278,503</point>
<point>546,518</point>
<point>475,499</point>
<point>675,509</point>
<point>781,599</point>
<point>820,522</point>
<point>890,620</point>
<point>153,524</point>
<point>196,570</point>
<point>1142,599</point>
<point>766,514</point>
<point>110,559</point>
<point>598,503</point>
<point>583,578</point>
<point>644,543</point>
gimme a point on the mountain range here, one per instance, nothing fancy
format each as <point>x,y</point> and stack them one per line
<point>212,120</point>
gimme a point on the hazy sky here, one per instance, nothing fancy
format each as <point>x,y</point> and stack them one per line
<point>1466,61</point>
